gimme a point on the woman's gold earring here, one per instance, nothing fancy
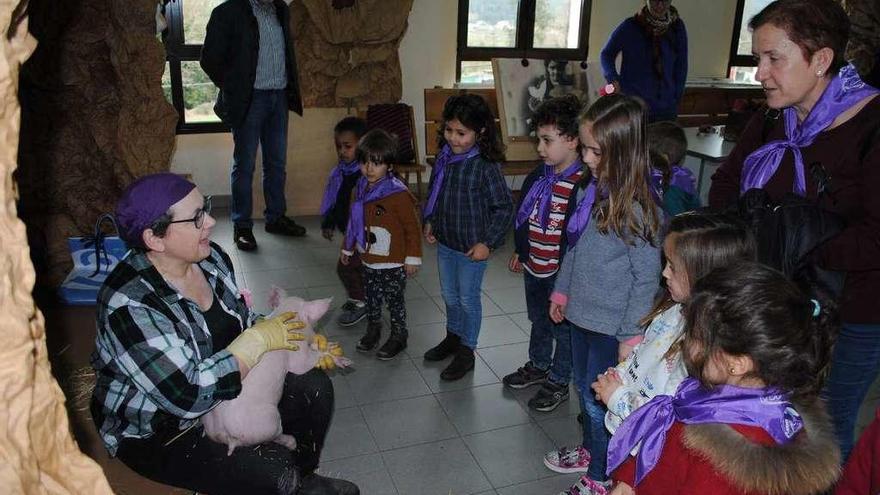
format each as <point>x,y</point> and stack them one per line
<point>732,370</point>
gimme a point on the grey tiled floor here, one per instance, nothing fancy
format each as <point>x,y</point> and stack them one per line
<point>399,429</point>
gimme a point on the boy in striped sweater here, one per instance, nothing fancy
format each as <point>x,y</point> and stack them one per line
<point>550,194</point>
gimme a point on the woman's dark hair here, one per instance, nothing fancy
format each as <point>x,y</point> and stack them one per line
<point>562,112</point>
<point>377,146</point>
<point>750,309</point>
<point>811,24</point>
<point>474,113</point>
<point>703,241</point>
<point>354,125</point>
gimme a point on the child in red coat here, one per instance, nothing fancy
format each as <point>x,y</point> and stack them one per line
<point>749,421</point>
<point>861,476</point>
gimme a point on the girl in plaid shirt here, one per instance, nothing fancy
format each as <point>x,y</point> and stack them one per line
<point>468,213</point>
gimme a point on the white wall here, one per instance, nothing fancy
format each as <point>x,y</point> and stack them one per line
<point>427,59</point>
<point>427,55</point>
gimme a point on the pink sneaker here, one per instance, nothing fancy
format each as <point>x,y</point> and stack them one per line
<point>565,460</point>
<point>587,486</point>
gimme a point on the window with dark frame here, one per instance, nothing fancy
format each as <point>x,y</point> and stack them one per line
<point>741,63</point>
<point>542,29</point>
<point>184,82</point>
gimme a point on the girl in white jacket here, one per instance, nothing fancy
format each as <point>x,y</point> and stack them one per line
<point>695,244</point>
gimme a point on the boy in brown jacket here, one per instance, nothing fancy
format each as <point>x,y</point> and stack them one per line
<point>384,229</point>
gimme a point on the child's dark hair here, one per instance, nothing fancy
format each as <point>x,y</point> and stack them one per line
<point>354,125</point>
<point>474,113</point>
<point>561,112</point>
<point>619,124</point>
<point>750,309</point>
<point>703,241</point>
<point>377,146</point>
<point>667,146</point>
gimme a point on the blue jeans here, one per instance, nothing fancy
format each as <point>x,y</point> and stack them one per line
<point>854,366</point>
<point>460,282</point>
<point>591,354</point>
<point>545,332</point>
<point>265,125</point>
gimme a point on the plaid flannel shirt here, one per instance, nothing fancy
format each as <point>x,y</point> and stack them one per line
<point>474,205</point>
<point>154,360</point>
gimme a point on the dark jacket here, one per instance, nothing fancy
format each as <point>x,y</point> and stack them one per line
<point>521,235</point>
<point>850,154</point>
<point>637,76</point>
<point>337,217</point>
<point>229,58</point>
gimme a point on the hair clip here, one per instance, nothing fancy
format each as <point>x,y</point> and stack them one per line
<point>817,308</point>
<point>606,90</point>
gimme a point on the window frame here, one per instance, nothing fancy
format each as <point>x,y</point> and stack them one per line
<point>525,34</point>
<point>177,52</point>
<point>734,59</point>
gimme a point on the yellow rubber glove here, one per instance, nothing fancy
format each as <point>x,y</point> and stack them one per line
<point>268,335</point>
<point>328,350</point>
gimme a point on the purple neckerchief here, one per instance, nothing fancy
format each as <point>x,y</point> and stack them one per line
<point>541,193</point>
<point>335,182</point>
<point>679,177</point>
<point>845,90</point>
<point>765,408</point>
<point>354,232</point>
<point>580,217</point>
<point>445,158</point>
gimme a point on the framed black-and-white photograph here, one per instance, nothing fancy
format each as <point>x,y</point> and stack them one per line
<point>521,88</point>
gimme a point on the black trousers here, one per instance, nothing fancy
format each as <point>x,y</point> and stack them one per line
<point>388,284</point>
<point>195,462</point>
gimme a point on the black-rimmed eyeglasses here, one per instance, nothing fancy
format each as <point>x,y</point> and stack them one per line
<point>199,218</point>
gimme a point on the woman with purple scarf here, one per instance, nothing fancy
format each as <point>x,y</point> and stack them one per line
<point>830,117</point>
<point>749,421</point>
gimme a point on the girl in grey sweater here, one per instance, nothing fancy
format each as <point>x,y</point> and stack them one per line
<point>608,279</point>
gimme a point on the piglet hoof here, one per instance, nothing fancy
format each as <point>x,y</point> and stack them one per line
<point>287,441</point>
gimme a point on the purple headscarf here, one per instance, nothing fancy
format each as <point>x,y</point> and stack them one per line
<point>541,193</point>
<point>335,182</point>
<point>766,408</point>
<point>845,90</point>
<point>145,200</point>
<point>445,158</point>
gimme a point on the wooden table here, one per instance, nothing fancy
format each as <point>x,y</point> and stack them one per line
<point>708,147</point>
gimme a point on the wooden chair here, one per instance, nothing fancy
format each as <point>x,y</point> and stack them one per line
<point>397,119</point>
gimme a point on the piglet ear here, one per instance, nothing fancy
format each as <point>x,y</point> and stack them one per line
<point>276,294</point>
<point>312,311</point>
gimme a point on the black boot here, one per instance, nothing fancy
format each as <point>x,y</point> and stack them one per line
<point>391,347</point>
<point>460,365</point>
<point>315,484</point>
<point>444,349</point>
<point>371,338</point>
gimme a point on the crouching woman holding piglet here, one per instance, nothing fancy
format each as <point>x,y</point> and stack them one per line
<point>175,338</point>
